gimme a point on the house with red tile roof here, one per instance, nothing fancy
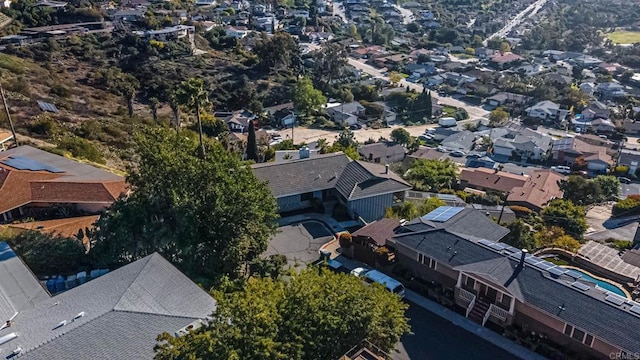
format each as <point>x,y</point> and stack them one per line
<point>33,179</point>
<point>505,60</point>
<point>538,190</point>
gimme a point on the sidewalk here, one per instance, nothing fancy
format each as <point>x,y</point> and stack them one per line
<point>480,331</point>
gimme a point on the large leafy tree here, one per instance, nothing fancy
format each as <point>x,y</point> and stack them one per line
<point>208,216</point>
<point>328,64</point>
<point>566,215</point>
<point>192,94</point>
<point>294,320</point>
<point>278,52</point>
<point>306,98</point>
<point>520,235</point>
<point>401,136</point>
<point>583,191</point>
<point>432,175</point>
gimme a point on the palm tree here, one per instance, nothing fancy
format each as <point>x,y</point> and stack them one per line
<point>192,94</point>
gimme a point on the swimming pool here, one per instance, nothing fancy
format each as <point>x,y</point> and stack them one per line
<point>601,283</point>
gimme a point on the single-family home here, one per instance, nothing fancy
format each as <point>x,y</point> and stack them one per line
<point>601,125</point>
<point>595,110</point>
<point>505,60</point>
<point>382,152</point>
<point>484,162</point>
<point>538,190</point>
<point>121,312</point>
<point>441,133</point>
<point>32,180</point>
<point>525,144</point>
<point>461,141</point>
<point>238,121</point>
<point>588,88</point>
<point>547,111</point>
<point>503,98</point>
<point>566,151</point>
<point>345,113</point>
<point>372,236</point>
<point>631,126</point>
<point>281,115</point>
<point>5,138</point>
<point>238,32</point>
<point>365,189</point>
<point>610,90</point>
<point>128,15</point>
<point>491,180</point>
<point>631,159</point>
<point>497,283</point>
<point>169,33</point>
<point>425,153</point>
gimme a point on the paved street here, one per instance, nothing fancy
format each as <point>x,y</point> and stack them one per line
<point>629,189</point>
<point>529,12</point>
<point>435,338</point>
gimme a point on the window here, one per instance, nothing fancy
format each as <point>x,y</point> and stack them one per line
<point>578,335</point>
<point>470,282</point>
<point>420,258</point>
<point>568,329</point>
<point>432,264</point>
<point>588,340</point>
<point>306,196</point>
<point>506,300</point>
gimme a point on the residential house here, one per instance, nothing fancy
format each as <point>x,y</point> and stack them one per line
<point>365,189</point>
<point>238,32</point>
<point>418,71</point>
<point>489,180</point>
<point>558,79</point>
<point>391,61</point>
<point>566,151</point>
<point>128,15</point>
<point>425,153</point>
<point>382,152</point>
<point>441,133</point>
<point>372,236</point>
<point>631,159</point>
<point>461,141</point>
<point>538,190</point>
<point>238,121</point>
<point>73,227</point>
<point>610,90</point>
<point>524,143</point>
<point>389,116</point>
<point>120,313</point>
<point>494,282</point>
<point>601,125</point>
<point>484,162</point>
<point>500,213</point>
<point>33,180</point>
<point>291,155</point>
<point>282,115</point>
<point>484,53</point>
<point>631,126</point>
<point>5,138</point>
<point>547,111</point>
<point>449,199</point>
<point>503,98</point>
<point>588,88</point>
<point>457,79</point>
<point>506,60</point>
<point>595,110</point>
<point>169,33</point>
<point>346,113</point>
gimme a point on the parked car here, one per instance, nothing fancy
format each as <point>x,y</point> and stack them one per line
<point>562,169</point>
<point>624,180</point>
<point>474,156</point>
<point>424,138</point>
<point>359,271</point>
<point>388,282</point>
<point>457,153</point>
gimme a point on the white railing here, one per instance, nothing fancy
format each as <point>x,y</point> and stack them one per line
<point>470,297</point>
<point>496,311</point>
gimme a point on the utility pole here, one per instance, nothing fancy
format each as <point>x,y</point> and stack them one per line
<point>6,109</point>
<point>293,124</point>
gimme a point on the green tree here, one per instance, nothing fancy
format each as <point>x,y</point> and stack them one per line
<point>395,78</point>
<point>252,145</point>
<point>547,236</point>
<point>207,216</point>
<point>153,106</point>
<point>567,215</point>
<point>498,117</point>
<point>346,139</point>
<point>126,86</point>
<point>519,235</point>
<point>401,136</point>
<point>411,209</point>
<point>328,64</point>
<point>306,98</point>
<point>432,175</point>
<point>580,191</point>
<point>293,320</point>
<point>192,94</point>
<point>609,186</point>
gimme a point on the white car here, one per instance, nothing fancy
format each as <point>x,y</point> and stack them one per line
<point>562,169</point>
<point>359,271</point>
<point>276,141</point>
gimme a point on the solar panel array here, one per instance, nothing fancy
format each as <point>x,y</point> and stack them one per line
<point>580,286</point>
<point>443,213</point>
<point>45,106</point>
<point>24,163</point>
<point>616,300</point>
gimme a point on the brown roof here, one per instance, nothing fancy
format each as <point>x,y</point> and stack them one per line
<point>64,227</point>
<point>379,231</point>
<point>55,179</point>
<point>506,57</point>
<point>262,137</point>
<point>491,179</point>
<point>540,188</point>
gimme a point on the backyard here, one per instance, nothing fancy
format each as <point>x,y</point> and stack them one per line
<point>299,242</point>
<point>624,37</point>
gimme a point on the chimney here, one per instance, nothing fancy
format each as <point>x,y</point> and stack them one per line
<point>524,254</point>
<point>495,171</point>
<point>386,169</point>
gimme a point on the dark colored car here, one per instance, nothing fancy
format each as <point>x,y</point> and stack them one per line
<point>624,180</point>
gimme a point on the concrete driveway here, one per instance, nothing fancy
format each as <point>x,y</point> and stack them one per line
<point>299,242</point>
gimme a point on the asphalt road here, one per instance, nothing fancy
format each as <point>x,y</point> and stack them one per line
<point>529,11</point>
<point>437,339</point>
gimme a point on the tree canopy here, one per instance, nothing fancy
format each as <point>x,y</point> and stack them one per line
<point>315,315</point>
<point>519,235</point>
<point>583,191</point>
<point>207,216</point>
<point>566,215</point>
<point>497,117</point>
<point>411,210</point>
<point>401,136</point>
<point>432,175</point>
<point>306,98</point>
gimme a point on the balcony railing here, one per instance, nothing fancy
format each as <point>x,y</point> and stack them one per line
<point>470,297</point>
<point>496,311</point>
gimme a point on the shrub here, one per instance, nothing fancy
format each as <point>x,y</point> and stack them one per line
<point>81,148</point>
<point>45,126</point>
<point>345,240</point>
<point>621,170</point>
<point>60,90</point>
<point>628,206</point>
<point>520,210</point>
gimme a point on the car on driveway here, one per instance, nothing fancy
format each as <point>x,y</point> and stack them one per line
<point>360,271</point>
<point>624,180</point>
<point>457,153</point>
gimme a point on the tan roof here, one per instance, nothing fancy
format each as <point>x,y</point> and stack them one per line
<point>68,227</point>
<point>540,188</point>
<point>491,179</point>
<point>506,57</point>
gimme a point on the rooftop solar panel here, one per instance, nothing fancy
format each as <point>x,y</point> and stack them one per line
<point>443,213</point>
<point>532,260</point>
<point>635,309</point>
<point>614,299</point>
<point>45,106</point>
<point>24,163</point>
<point>556,271</point>
<point>511,249</point>
<point>499,246</point>
<point>486,242</point>
<point>574,274</point>
<point>580,286</point>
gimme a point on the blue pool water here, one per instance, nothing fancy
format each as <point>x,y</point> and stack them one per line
<point>603,284</point>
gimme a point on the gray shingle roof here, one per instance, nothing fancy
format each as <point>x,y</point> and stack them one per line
<point>468,223</point>
<point>353,179</point>
<point>585,310</point>
<point>302,176</point>
<point>150,287</point>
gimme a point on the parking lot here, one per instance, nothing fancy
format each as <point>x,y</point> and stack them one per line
<point>299,242</point>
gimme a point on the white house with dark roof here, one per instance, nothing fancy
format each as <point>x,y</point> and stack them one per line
<point>117,315</point>
<point>546,111</point>
<point>366,189</point>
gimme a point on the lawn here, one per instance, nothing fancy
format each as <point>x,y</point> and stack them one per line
<point>625,37</point>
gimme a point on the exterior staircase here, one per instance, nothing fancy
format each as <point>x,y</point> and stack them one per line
<point>479,310</point>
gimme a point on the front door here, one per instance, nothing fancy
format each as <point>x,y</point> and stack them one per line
<point>482,290</point>
<point>492,294</point>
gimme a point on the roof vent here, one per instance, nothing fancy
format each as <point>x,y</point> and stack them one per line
<point>5,339</point>
<point>80,314</point>
<point>60,324</point>
<point>17,351</point>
